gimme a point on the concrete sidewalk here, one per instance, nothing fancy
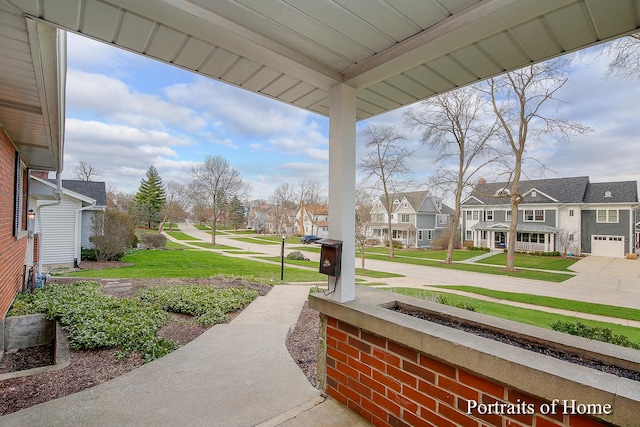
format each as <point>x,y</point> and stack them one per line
<point>237,374</point>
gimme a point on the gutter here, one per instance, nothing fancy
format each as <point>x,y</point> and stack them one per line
<point>78,240</point>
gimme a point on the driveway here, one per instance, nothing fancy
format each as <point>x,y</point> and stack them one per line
<point>607,273</point>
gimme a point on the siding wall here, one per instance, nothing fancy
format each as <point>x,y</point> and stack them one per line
<point>59,231</point>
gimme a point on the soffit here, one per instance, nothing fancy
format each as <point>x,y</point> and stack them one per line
<point>393,52</point>
<point>32,88</point>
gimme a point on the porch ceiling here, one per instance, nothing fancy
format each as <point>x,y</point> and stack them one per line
<point>393,52</point>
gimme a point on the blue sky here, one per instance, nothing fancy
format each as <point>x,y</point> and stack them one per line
<point>126,112</point>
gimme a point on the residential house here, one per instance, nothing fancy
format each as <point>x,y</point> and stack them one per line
<point>64,225</point>
<point>417,219</point>
<point>312,219</point>
<point>593,218</point>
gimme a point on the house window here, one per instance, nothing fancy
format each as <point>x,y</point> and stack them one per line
<point>607,215</point>
<point>419,234</point>
<point>475,215</point>
<point>469,235</point>
<point>429,234</point>
<point>570,212</point>
<point>405,205</point>
<point>489,215</point>
<point>443,219</point>
<point>508,215</point>
<point>534,215</point>
<point>468,214</point>
<point>404,218</point>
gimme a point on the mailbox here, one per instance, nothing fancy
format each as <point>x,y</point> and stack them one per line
<point>330,257</point>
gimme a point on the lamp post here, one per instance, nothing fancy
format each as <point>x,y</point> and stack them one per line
<point>284,234</point>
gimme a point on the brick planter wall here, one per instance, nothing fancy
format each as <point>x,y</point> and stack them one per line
<point>394,370</point>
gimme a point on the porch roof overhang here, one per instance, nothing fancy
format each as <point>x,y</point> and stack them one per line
<point>522,227</point>
<point>393,53</point>
<point>32,87</point>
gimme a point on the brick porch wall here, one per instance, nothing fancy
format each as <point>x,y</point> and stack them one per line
<point>12,250</point>
<point>389,384</point>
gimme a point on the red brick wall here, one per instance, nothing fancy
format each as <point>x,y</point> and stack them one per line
<point>389,384</point>
<point>12,250</point>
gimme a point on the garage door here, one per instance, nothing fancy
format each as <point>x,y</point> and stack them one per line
<point>607,245</point>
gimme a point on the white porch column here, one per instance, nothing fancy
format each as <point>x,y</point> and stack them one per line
<point>342,184</point>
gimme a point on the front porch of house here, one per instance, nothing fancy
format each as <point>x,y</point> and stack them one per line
<point>539,239</point>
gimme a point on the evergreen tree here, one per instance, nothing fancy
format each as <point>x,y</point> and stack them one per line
<point>150,198</point>
<point>236,213</point>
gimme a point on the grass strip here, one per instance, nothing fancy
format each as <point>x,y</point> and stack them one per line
<point>180,235</point>
<point>359,271</point>
<point>527,316</point>
<point>560,303</point>
<point>532,261</point>
<point>524,274</point>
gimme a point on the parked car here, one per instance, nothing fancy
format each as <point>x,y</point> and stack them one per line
<point>309,238</point>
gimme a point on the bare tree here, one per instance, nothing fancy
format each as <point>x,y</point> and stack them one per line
<point>565,238</point>
<point>308,193</point>
<point>518,98</point>
<point>626,60</point>
<point>282,202</point>
<point>119,200</point>
<point>216,182</point>
<point>386,161</point>
<point>84,171</point>
<point>176,198</point>
<point>364,206</point>
<point>454,126</point>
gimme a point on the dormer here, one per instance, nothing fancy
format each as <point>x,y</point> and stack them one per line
<point>607,194</point>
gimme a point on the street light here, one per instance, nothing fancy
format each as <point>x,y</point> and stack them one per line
<point>284,234</point>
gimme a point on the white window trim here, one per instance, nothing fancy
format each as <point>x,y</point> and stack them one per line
<point>608,216</point>
<point>533,215</point>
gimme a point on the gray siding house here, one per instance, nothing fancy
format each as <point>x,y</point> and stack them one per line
<point>587,218</point>
<point>417,219</point>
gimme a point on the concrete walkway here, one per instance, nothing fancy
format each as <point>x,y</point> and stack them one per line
<point>238,374</point>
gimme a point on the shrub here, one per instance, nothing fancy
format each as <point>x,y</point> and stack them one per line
<point>396,244</point>
<point>209,305</point>
<point>297,256</point>
<point>87,254</point>
<point>598,333</point>
<point>153,240</point>
<point>95,320</point>
<point>478,248</point>
<point>442,299</point>
<point>112,234</point>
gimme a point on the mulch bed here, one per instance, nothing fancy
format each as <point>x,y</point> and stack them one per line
<point>522,343</point>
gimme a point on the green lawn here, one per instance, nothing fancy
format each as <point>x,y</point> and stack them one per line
<point>208,245</point>
<point>459,255</point>
<point>197,263</point>
<point>524,274</point>
<point>180,235</point>
<point>359,271</point>
<point>528,316</point>
<point>560,303</point>
<point>256,240</point>
<point>532,261</point>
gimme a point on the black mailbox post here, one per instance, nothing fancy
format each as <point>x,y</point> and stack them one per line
<point>330,257</point>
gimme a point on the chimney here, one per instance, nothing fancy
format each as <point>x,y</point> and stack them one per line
<point>482,181</point>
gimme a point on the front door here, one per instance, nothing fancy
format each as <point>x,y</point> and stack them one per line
<point>500,239</point>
